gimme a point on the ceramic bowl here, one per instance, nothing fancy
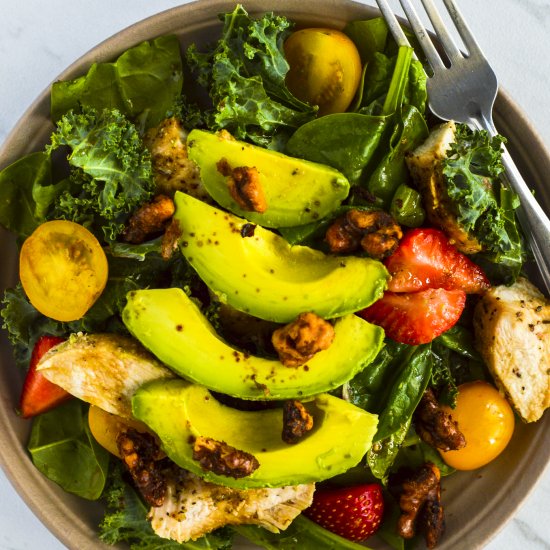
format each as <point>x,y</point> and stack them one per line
<point>477,504</point>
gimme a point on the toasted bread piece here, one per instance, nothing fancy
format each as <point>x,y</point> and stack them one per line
<point>424,164</point>
<point>512,330</point>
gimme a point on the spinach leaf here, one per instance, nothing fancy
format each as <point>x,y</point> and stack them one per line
<point>369,389</point>
<point>113,169</point>
<point>143,83</point>
<point>244,73</point>
<point>64,450</point>
<point>406,206</point>
<point>302,534</point>
<point>345,141</point>
<point>461,340</point>
<point>406,392</point>
<point>413,456</point>
<point>27,193</point>
<point>370,36</point>
<point>126,521</point>
<point>135,251</point>
<point>383,453</point>
<point>409,132</point>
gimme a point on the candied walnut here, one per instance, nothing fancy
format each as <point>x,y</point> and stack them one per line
<point>340,239</point>
<point>148,219</point>
<point>419,495</point>
<point>170,239</point>
<point>140,454</point>
<point>373,230</point>
<point>244,186</point>
<point>296,421</point>
<point>223,459</point>
<point>297,342</point>
<point>435,426</point>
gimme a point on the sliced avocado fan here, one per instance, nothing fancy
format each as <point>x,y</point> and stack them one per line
<point>178,412</point>
<point>170,325</point>
<point>258,272</point>
<point>297,191</point>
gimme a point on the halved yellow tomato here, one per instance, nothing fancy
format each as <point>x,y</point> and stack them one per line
<point>63,269</point>
<point>106,427</point>
<point>487,422</point>
<point>325,68</point>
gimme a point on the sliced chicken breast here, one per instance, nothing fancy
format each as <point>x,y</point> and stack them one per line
<point>193,507</point>
<point>512,330</point>
<point>102,369</point>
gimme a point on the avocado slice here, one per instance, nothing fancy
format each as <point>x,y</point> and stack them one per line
<point>264,275</point>
<point>178,412</point>
<point>297,191</point>
<point>170,325</point>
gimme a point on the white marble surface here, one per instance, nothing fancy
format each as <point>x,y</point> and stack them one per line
<point>39,39</point>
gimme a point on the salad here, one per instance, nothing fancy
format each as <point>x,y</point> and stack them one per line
<point>272,300</point>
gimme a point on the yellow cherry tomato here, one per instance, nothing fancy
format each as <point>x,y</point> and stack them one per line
<point>325,68</point>
<point>63,269</point>
<point>487,422</point>
<point>106,426</point>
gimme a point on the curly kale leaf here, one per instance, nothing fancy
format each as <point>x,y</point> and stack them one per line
<point>126,521</point>
<point>482,205</point>
<point>111,169</point>
<point>245,75</point>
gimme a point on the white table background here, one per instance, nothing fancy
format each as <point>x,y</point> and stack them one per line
<point>39,38</point>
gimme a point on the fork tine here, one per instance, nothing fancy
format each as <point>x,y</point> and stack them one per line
<point>422,36</point>
<point>393,23</point>
<point>462,28</point>
<point>441,30</point>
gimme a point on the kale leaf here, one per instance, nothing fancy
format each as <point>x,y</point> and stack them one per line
<point>245,75</point>
<point>111,173</point>
<point>483,206</point>
<point>126,521</point>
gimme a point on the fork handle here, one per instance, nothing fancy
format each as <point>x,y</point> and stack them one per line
<point>531,216</point>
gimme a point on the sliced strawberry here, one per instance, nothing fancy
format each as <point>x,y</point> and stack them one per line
<point>426,259</point>
<point>417,317</point>
<point>354,513</point>
<point>39,394</point>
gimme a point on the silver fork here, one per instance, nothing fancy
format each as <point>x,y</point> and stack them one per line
<point>465,92</point>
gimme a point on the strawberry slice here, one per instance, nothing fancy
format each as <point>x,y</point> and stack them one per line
<point>426,259</point>
<point>417,317</point>
<point>39,394</point>
<point>354,513</point>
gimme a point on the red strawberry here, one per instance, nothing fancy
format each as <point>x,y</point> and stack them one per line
<point>354,513</point>
<point>39,394</point>
<point>426,259</point>
<point>417,317</point>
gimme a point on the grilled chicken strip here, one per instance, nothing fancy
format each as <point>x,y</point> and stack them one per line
<point>102,369</point>
<point>173,170</point>
<point>512,331</point>
<point>193,507</point>
<point>424,164</point>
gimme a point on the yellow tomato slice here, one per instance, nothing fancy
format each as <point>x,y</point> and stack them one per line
<point>63,269</point>
<point>325,68</point>
<point>487,422</point>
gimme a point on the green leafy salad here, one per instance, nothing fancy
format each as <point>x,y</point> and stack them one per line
<point>257,313</point>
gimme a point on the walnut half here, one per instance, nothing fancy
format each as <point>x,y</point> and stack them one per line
<point>375,231</point>
<point>244,186</point>
<point>419,495</point>
<point>435,426</point>
<point>296,421</point>
<point>297,342</point>
<point>223,459</point>
<point>140,454</point>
